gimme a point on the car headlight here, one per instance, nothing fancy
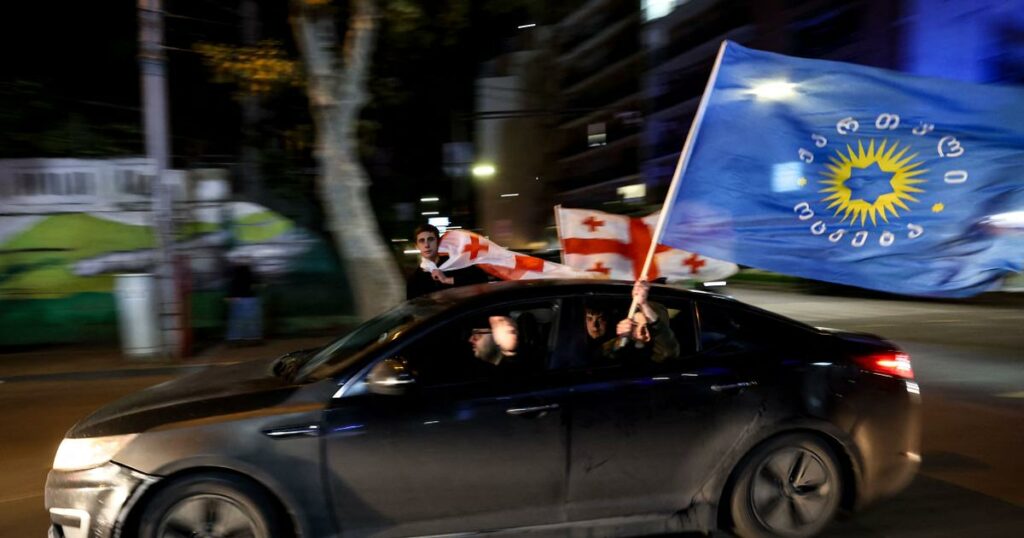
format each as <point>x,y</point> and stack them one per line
<point>88,452</point>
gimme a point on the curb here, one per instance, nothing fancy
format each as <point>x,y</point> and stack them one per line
<point>93,375</point>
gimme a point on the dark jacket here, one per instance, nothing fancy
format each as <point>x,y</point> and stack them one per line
<point>419,282</point>
<point>663,345</point>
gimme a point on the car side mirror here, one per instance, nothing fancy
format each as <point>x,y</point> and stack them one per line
<point>390,377</point>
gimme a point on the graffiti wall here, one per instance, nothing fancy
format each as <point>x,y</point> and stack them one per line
<point>69,226</point>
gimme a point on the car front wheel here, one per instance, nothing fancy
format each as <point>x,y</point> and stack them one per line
<point>211,506</point>
<point>788,487</point>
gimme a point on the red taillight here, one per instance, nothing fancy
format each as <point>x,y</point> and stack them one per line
<point>891,363</point>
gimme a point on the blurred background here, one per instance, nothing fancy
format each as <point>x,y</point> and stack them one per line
<point>479,115</point>
<point>143,163</point>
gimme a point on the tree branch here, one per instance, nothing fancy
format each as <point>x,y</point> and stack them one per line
<point>358,54</point>
<point>315,36</point>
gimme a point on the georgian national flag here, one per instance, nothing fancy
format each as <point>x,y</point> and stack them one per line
<point>467,248</point>
<point>617,245</point>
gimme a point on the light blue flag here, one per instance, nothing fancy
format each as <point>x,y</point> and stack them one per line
<point>854,175</point>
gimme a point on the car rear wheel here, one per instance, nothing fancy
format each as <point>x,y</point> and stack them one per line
<point>211,506</point>
<point>788,487</point>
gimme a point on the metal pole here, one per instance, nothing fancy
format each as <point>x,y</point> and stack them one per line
<point>558,230</point>
<point>153,68</point>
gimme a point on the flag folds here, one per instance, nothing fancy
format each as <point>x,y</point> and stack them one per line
<point>466,248</point>
<point>854,175</point>
<point>617,245</point>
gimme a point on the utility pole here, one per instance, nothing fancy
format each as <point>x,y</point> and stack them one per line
<point>252,111</point>
<point>153,67</point>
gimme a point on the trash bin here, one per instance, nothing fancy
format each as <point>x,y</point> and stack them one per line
<point>137,319</point>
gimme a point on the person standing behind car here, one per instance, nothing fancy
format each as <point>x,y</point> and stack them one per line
<point>422,280</point>
<point>245,312</point>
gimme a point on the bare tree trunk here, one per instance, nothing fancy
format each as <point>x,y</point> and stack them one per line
<point>337,91</point>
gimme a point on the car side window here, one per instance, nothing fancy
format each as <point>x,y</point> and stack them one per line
<point>589,335</point>
<point>728,330</point>
<point>681,323</point>
<point>493,344</point>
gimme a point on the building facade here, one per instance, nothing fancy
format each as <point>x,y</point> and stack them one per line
<point>622,79</point>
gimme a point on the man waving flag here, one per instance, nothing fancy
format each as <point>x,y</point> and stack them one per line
<point>615,245</point>
<point>852,174</point>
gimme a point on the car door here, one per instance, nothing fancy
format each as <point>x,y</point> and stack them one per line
<point>645,436</point>
<point>466,449</point>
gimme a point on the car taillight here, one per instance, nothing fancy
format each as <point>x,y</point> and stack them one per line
<point>891,363</point>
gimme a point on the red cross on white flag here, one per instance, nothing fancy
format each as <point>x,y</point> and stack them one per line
<point>617,245</point>
<point>466,248</point>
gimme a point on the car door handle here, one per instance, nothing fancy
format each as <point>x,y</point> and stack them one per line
<point>305,430</point>
<point>535,410</point>
<point>733,386</point>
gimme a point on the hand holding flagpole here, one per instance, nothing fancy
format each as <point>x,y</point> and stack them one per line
<point>684,159</point>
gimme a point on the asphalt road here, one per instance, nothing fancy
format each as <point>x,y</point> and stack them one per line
<point>969,361</point>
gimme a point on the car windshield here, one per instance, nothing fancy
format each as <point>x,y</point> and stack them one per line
<point>379,330</point>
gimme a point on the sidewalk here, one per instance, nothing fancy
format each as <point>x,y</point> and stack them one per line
<point>69,362</point>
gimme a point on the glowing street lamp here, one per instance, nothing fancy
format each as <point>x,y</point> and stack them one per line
<point>774,90</point>
<point>483,170</point>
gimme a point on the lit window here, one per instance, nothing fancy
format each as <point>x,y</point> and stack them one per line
<point>596,134</point>
<point>632,192</point>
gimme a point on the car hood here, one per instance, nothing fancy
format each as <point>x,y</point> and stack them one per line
<point>213,391</point>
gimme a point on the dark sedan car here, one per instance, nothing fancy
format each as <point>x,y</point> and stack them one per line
<point>509,408</point>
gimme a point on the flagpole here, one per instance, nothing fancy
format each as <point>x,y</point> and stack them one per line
<point>558,231</point>
<point>684,161</point>
<point>681,164</point>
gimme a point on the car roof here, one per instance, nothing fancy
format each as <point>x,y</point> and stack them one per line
<point>540,288</point>
<point>452,301</point>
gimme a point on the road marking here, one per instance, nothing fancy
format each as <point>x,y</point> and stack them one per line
<point>1018,394</point>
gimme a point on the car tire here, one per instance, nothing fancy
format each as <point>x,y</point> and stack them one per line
<point>787,487</point>
<point>211,505</point>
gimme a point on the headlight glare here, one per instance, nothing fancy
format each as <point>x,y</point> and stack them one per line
<point>88,452</point>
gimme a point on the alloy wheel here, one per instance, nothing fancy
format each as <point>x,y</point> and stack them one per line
<point>207,516</point>
<point>791,491</point>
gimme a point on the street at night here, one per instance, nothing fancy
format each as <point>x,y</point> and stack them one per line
<point>323,268</point>
<point>966,357</point>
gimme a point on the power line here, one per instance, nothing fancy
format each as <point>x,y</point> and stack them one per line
<point>197,19</point>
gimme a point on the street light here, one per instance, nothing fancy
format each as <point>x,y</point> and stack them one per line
<point>774,90</point>
<point>483,170</point>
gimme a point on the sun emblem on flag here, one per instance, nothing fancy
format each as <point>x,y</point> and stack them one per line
<point>871,183</point>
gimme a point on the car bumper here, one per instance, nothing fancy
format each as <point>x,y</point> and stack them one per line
<point>889,439</point>
<point>91,503</point>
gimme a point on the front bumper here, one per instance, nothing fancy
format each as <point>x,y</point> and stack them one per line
<point>92,503</point>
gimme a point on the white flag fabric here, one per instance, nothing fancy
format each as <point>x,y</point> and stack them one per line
<point>617,245</point>
<point>466,248</point>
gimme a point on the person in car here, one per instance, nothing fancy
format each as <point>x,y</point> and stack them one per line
<point>497,341</point>
<point>647,335</point>
<point>599,336</point>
